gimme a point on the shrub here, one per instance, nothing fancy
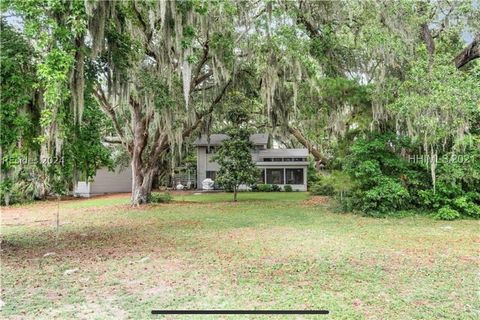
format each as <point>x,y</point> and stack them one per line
<point>313,176</point>
<point>157,197</point>
<point>264,187</point>
<point>276,188</point>
<point>447,213</point>
<point>322,189</point>
<point>467,207</point>
<point>383,181</point>
<point>287,188</point>
<point>388,195</point>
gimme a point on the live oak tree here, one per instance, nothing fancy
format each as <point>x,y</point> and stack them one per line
<point>54,31</point>
<point>160,69</point>
<point>163,68</point>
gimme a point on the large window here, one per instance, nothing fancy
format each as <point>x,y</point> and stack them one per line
<point>284,159</point>
<point>274,176</point>
<point>294,176</point>
<point>211,149</point>
<point>211,175</point>
<point>261,176</point>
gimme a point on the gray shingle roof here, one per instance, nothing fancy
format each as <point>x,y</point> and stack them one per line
<point>216,139</point>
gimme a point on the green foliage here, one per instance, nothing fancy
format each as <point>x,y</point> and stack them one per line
<point>25,175</point>
<point>265,187</point>
<point>339,180</point>
<point>234,155</point>
<point>157,197</point>
<point>17,82</point>
<point>276,188</point>
<point>437,103</point>
<point>387,195</point>
<point>235,161</point>
<point>447,213</point>
<point>385,182</point>
<point>313,176</point>
<point>287,188</point>
<point>381,178</point>
<point>458,182</point>
<point>467,206</point>
<point>322,189</point>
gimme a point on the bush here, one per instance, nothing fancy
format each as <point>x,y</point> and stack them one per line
<point>287,188</point>
<point>157,197</point>
<point>264,188</point>
<point>382,181</point>
<point>457,186</point>
<point>447,213</point>
<point>467,207</point>
<point>322,189</point>
<point>388,195</point>
<point>276,188</point>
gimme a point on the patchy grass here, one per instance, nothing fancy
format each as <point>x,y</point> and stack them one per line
<point>216,254</point>
<point>242,196</point>
<point>101,201</point>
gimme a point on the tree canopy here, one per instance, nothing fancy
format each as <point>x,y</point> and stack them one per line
<point>84,80</point>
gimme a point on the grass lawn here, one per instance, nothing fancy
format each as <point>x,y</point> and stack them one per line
<point>243,196</point>
<point>268,251</point>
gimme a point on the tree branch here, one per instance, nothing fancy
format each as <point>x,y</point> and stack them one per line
<point>307,144</point>
<point>109,110</point>
<point>115,140</point>
<point>471,52</point>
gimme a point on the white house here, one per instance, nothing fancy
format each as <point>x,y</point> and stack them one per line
<point>277,166</point>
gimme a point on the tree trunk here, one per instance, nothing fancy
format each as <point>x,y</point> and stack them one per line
<point>307,144</point>
<point>235,194</point>
<point>141,184</point>
<point>141,180</point>
<point>139,194</point>
<point>471,52</point>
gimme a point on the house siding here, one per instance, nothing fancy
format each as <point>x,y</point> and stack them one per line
<point>201,165</point>
<point>106,181</point>
<point>205,163</point>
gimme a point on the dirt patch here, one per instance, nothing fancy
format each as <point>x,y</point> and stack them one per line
<point>317,200</point>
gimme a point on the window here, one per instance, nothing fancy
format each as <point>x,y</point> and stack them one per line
<point>294,176</point>
<point>211,175</point>
<point>211,150</point>
<point>284,159</point>
<point>261,176</point>
<point>274,176</point>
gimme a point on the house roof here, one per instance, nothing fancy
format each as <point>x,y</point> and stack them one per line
<point>217,139</point>
<point>287,153</point>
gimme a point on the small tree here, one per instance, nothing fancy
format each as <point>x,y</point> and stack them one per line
<point>235,160</point>
<point>234,156</point>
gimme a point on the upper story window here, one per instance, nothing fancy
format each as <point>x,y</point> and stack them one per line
<point>284,159</point>
<point>211,149</point>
